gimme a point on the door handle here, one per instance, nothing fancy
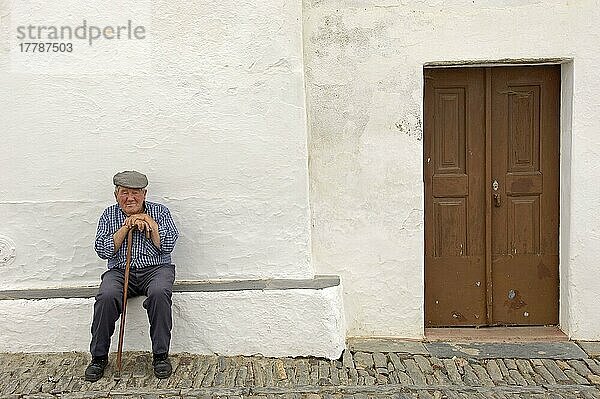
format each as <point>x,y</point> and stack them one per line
<point>495,187</point>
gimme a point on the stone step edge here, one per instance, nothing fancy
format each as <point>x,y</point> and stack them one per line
<point>319,282</point>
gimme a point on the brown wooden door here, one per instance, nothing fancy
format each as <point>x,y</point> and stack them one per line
<point>491,170</point>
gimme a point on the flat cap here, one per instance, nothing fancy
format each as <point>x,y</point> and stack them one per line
<point>130,179</point>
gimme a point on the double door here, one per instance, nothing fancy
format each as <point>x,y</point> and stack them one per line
<point>491,170</point>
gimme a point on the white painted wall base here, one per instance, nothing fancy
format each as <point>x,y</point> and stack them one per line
<point>295,322</point>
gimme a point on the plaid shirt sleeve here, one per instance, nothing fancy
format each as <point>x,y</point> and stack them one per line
<point>167,231</point>
<point>105,245</point>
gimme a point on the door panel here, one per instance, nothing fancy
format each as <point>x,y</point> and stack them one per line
<point>454,166</point>
<point>518,222</point>
<point>525,125</point>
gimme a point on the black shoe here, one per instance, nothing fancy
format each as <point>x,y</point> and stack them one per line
<point>95,370</point>
<point>162,366</point>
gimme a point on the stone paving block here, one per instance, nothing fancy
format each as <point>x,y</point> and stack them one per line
<point>369,380</point>
<point>580,367</point>
<point>353,376</point>
<point>452,371</point>
<point>430,379</point>
<point>563,365</point>
<point>209,377</point>
<point>470,376</point>
<point>347,359</point>
<point>390,367</point>
<point>510,364</point>
<point>241,376</point>
<point>592,348</point>
<point>398,365</point>
<point>203,365</point>
<point>382,370</point>
<point>590,394</point>
<point>573,376</point>
<point>556,371</point>
<point>414,372</point>
<point>538,379</point>
<point>460,364</point>
<point>517,377</point>
<point>220,379</point>
<point>230,375</point>
<point>555,395</point>
<point>425,395</point>
<point>545,374</point>
<point>343,376</point>
<point>403,378</point>
<point>441,378</point>
<point>291,380</point>
<point>483,376</point>
<point>335,377</point>
<point>436,363</point>
<point>380,360</point>
<point>593,365</point>
<point>303,373</point>
<point>279,370</point>
<point>451,394</point>
<point>502,367</point>
<point>594,379</point>
<point>524,366</point>
<point>267,367</point>
<point>494,371</point>
<point>38,396</point>
<point>381,379</point>
<point>363,360</point>
<point>424,364</point>
<point>393,378</point>
<point>529,378</point>
<point>323,370</point>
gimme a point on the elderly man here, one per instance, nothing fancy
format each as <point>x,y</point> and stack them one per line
<point>152,273</point>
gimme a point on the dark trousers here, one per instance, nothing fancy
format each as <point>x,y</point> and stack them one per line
<point>155,282</point>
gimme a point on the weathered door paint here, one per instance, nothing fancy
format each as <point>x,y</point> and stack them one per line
<point>491,170</point>
<point>455,197</point>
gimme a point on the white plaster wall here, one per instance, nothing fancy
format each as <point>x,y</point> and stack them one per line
<point>363,63</point>
<point>211,109</point>
<point>566,161</point>
<point>298,322</point>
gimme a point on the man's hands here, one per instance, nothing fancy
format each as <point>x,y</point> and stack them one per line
<point>143,222</point>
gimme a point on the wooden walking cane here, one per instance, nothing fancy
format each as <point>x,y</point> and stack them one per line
<point>125,288</point>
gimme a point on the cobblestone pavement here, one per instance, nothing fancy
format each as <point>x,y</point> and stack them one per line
<point>357,375</point>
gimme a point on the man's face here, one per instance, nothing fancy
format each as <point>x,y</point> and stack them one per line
<point>131,200</point>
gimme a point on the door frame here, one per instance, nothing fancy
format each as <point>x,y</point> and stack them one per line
<point>565,158</point>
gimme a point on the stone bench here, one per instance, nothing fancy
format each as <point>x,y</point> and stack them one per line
<point>274,317</point>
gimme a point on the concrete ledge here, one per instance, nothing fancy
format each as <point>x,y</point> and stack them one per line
<point>514,350</point>
<point>397,345</point>
<point>272,318</point>
<point>317,283</point>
